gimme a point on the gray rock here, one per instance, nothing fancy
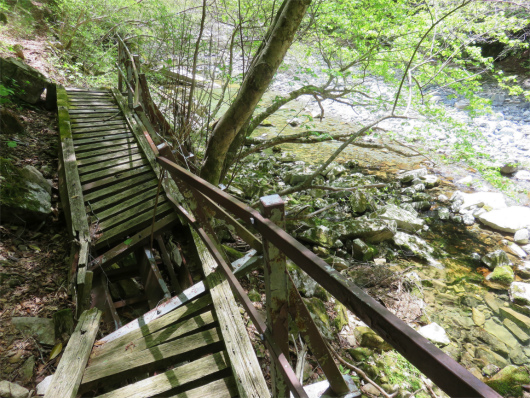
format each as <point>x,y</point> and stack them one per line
<point>497,99</point>
<point>489,356</point>
<point>510,167</point>
<point>507,131</point>
<point>468,219</point>
<point>510,219</point>
<point>404,219</point>
<point>434,333</point>
<point>320,235</point>
<point>430,180</point>
<point>520,293</point>
<point>43,385</point>
<point>371,231</point>
<point>516,250</point>
<point>359,201</point>
<point>522,236</point>
<point>43,328</point>
<point>442,198</point>
<point>523,270</point>
<point>523,175</point>
<point>362,251</point>
<point>417,246</point>
<point>501,333</point>
<point>443,213</point>
<point>408,176</point>
<point>492,200</point>
<point>462,104</point>
<point>12,390</point>
<point>495,259</point>
<point>502,274</point>
<point>26,370</point>
<point>516,331</point>
<point>30,83</point>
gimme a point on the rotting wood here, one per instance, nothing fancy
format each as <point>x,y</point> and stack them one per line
<point>67,378</point>
<point>101,133</point>
<point>169,265</point>
<point>115,219</point>
<point>145,191</point>
<point>125,248</point>
<point>111,155</point>
<point>188,302</point>
<point>223,388</point>
<point>96,144</point>
<point>113,170</point>
<point>93,116</point>
<point>126,159</point>
<point>149,359</point>
<point>183,374</point>
<point>130,301</point>
<point>110,303</point>
<point>108,150</point>
<point>147,338</point>
<point>111,180</point>
<point>109,125</point>
<point>154,285</point>
<point>247,372</point>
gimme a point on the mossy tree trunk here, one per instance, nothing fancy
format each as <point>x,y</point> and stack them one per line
<point>260,74</point>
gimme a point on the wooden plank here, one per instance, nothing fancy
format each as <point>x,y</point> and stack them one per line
<point>65,383</point>
<point>183,374</point>
<point>108,149</point>
<point>112,179</point>
<point>125,194</point>
<point>123,249</point>
<point>155,287</point>
<point>151,358</point>
<point>101,133</point>
<point>223,388</point>
<point>78,128</point>
<point>110,302</point>
<point>128,227</point>
<point>79,223</point>
<point>92,144</point>
<point>92,91</point>
<point>93,117</point>
<point>191,301</point>
<point>120,186</point>
<point>245,365</point>
<point>89,103</point>
<point>79,111</point>
<point>130,301</point>
<point>108,222</point>
<point>125,160</point>
<point>169,265</point>
<point>107,156</point>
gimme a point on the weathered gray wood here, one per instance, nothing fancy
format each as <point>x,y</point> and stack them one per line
<point>106,134</point>
<point>169,265</point>
<point>155,286</point>
<point>109,302</point>
<point>224,388</point>
<point>115,219</point>
<point>105,181</point>
<point>245,365</point>
<point>189,302</point>
<point>83,291</point>
<point>162,336</point>
<point>151,358</point>
<point>82,146</point>
<point>89,103</point>
<point>124,194</point>
<point>183,374</point>
<point>130,226</point>
<point>138,238</point>
<point>109,125</point>
<point>80,111</point>
<point>65,382</point>
<point>91,91</point>
<point>111,171</point>
<point>120,186</point>
<point>108,149</point>
<point>112,153</point>
<point>127,159</point>
<point>92,116</point>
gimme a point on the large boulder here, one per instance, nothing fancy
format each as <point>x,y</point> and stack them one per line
<point>12,390</point>
<point>370,230</point>
<point>417,246</point>
<point>404,219</point>
<point>25,195</point>
<point>510,219</point>
<point>509,381</point>
<point>491,200</point>
<point>27,82</point>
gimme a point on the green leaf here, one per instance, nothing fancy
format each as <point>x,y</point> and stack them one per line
<point>36,248</point>
<point>56,350</point>
<point>11,144</point>
<point>128,241</point>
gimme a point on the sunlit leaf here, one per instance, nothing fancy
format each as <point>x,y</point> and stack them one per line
<point>11,144</point>
<point>56,350</point>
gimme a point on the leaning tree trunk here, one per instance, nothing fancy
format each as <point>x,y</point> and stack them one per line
<point>257,80</point>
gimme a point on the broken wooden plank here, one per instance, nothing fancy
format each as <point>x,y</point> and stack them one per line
<point>110,302</point>
<point>154,285</point>
<point>106,223</point>
<point>151,358</point>
<point>65,383</point>
<point>183,374</point>
<point>123,249</point>
<point>150,340</point>
<point>91,144</point>
<point>108,149</point>
<point>92,116</point>
<point>169,265</point>
<point>109,125</point>
<point>110,155</point>
<point>245,365</point>
<point>77,111</point>
<point>130,226</point>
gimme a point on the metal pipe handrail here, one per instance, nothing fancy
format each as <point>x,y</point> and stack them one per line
<point>450,376</point>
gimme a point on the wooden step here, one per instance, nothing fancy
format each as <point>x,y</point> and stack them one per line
<point>94,143</point>
<point>114,179</point>
<point>117,187</point>
<point>115,172</point>
<point>100,155</point>
<point>137,198</point>
<point>125,160</point>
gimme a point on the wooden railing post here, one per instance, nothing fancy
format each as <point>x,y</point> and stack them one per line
<point>129,71</point>
<point>120,61</point>
<point>276,290</point>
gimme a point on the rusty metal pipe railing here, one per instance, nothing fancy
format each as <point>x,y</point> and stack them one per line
<point>450,376</point>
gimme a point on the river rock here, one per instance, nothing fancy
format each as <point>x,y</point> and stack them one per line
<point>408,176</point>
<point>404,219</point>
<point>434,333</point>
<point>28,82</point>
<point>12,390</point>
<point>516,331</point>
<point>336,262</point>
<point>430,180</point>
<point>521,236</point>
<point>495,259</point>
<point>478,317</point>
<point>43,328</point>
<point>510,219</point>
<point>320,235</point>
<point>523,270</point>
<point>368,338</point>
<point>501,333</point>
<point>359,201</point>
<point>508,381</point>
<point>489,356</point>
<point>502,274</point>
<point>515,250</point>
<point>492,200</point>
<point>362,251</point>
<point>520,293</point>
<point>370,230</point>
<point>417,246</point>
<point>462,104</point>
<point>468,219</point>
<point>510,167</point>
<point>519,319</point>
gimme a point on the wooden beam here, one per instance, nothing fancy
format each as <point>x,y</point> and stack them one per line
<point>65,383</point>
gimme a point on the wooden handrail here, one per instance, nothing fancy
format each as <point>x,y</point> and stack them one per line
<point>450,376</point>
